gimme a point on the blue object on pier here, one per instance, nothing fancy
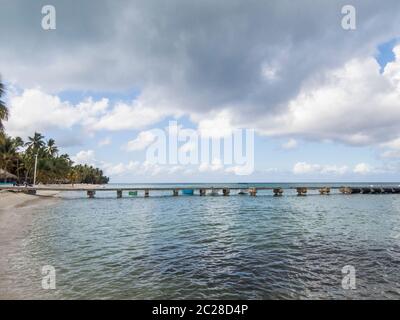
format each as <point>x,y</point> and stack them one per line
<point>188,192</point>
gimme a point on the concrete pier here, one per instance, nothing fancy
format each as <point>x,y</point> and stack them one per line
<point>302,191</point>
<point>345,190</point>
<point>325,191</point>
<point>213,190</point>
<point>91,193</point>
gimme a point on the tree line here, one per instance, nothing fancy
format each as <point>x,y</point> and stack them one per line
<point>18,157</point>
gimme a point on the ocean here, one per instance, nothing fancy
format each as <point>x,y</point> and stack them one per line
<point>192,247</point>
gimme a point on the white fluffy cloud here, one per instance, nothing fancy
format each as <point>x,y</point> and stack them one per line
<point>392,149</point>
<point>362,168</point>
<point>216,125</point>
<point>354,104</point>
<point>142,141</point>
<point>307,168</point>
<point>84,157</point>
<point>35,110</point>
<point>290,144</point>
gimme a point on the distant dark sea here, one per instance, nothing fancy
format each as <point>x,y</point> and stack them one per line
<point>236,247</point>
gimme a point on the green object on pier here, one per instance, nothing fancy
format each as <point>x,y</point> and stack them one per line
<point>132,193</point>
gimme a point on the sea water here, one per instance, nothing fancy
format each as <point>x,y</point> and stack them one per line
<point>192,247</point>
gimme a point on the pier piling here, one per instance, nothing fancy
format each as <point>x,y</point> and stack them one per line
<point>91,193</point>
<point>202,192</point>
<point>325,191</point>
<point>175,192</point>
<point>345,190</point>
<point>119,194</point>
<point>146,193</point>
<point>301,191</point>
<point>253,192</point>
<point>278,192</point>
<point>225,192</point>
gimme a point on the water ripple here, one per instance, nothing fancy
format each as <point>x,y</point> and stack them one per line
<point>216,248</point>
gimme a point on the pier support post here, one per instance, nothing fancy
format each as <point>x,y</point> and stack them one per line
<point>91,193</point>
<point>253,192</point>
<point>278,192</point>
<point>302,191</point>
<point>226,192</point>
<point>175,192</point>
<point>202,192</point>
<point>119,194</point>
<point>345,190</point>
<point>325,190</point>
<point>146,193</point>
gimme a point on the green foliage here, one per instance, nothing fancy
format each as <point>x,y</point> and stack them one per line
<point>3,108</point>
<point>18,158</point>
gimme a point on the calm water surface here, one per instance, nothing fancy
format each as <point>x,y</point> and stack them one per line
<point>194,247</point>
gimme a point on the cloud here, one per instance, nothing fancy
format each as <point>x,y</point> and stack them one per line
<point>104,142</point>
<point>34,110</point>
<point>145,110</point>
<point>136,168</point>
<point>355,105</point>
<point>198,58</point>
<point>362,168</point>
<point>216,125</point>
<point>215,165</point>
<point>290,144</point>
<point>307,168</point>
<point>142,141</point>
<point>84,157</point>
<point>393,149</point>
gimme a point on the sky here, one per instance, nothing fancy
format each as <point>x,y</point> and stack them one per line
<point>323,101</point>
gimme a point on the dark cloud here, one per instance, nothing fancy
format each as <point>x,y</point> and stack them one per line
<point>198,55</point>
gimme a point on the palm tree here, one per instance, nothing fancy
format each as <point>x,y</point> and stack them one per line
<point>3,108</point>
<point>35,143</point>
<point>8,153</point>
<point>51,148</point>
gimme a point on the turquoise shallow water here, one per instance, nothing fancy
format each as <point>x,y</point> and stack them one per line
<point>192,247</point>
